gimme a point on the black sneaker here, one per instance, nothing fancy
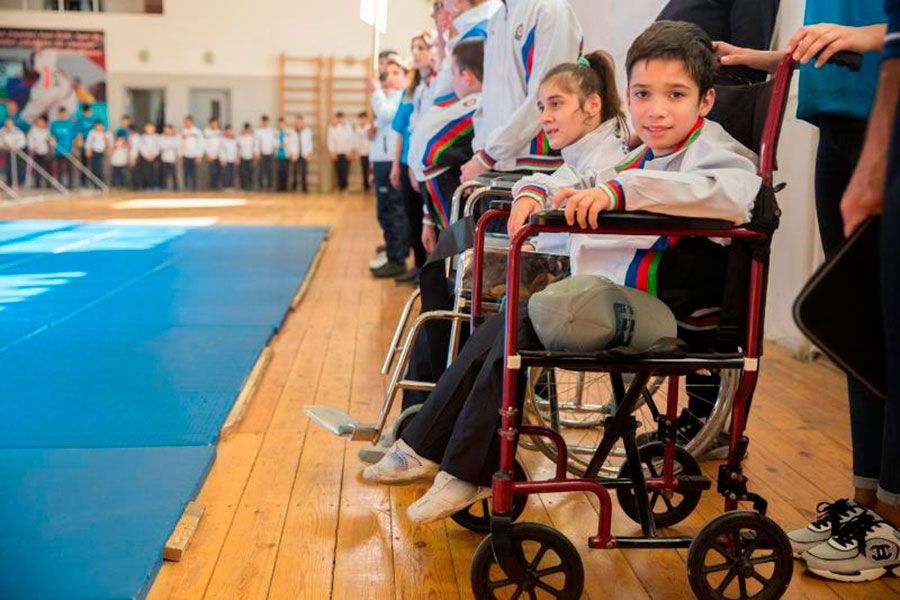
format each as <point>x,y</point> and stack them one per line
<point>389,269</point>
<point>411,276</point>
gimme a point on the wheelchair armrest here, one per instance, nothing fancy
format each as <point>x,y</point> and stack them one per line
<point>557,218</point>
<point>504,205</point>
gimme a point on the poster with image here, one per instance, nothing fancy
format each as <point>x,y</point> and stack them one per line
<point>42,70</point>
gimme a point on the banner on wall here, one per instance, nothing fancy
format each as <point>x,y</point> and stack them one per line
<point>42,70</point>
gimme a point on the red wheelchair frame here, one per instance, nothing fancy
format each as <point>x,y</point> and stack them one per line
<point>731,531</point>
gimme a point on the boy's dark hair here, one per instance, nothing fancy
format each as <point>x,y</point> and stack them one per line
<point>264,118</point>
<point>386,53</point>
<point>361,114</point>
<point>677,40</point>
<point>86,108</point>
<point>339,114</point>
<point>247,125</point>
<point>62,109</point>
<point>469,56</point>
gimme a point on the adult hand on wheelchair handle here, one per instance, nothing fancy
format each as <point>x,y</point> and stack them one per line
<point>761,60</point>
<point>472,169</point>
<point>824,40</point>
<point>522,209</point>
<point>583,206</point>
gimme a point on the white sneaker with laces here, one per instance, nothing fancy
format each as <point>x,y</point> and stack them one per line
<point>863,549</point>
<point>832,515</point>
<point>400,465</point>
<point>379,261</point>
<point>447,495</point>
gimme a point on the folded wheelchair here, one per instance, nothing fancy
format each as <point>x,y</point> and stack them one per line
<point>740,554</point>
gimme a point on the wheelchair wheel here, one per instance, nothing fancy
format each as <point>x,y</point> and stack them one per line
<point>740,554</point>
<point>551,564</point>
<point>576,404</point>
<point>667,510</point>
<point>477,517</point>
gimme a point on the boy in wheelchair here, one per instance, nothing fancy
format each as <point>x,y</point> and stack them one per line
<point>687,166</point>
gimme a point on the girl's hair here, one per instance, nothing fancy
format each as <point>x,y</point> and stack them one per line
<point>598,76</point>
<point>427,37</point>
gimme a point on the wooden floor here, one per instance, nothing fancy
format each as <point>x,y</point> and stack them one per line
<point>287,515</point>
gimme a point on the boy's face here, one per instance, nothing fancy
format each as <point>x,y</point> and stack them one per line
<point>563,119</point>
<point>149,128</point>
<point>168,130</point>
<point>98,126</point>
<point>9,123</point>
<point>229,133</point>
<point>665,103</point>
<point>393,77</point>
<point>188,123</point>
<point>463,82</point>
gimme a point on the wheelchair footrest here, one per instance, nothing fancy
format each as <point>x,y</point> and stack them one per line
<point>340,423</point>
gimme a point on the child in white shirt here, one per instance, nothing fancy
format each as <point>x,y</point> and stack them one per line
<point>246,150</point>
<point>118,160</point>
<point>212,136</point>
<point>228,154</point>
<point>95,148</point>
<point>169,145</point>
<point>39,148</point>
<point>12,140</point>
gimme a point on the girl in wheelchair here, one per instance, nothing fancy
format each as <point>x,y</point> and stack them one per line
<point>687,166</point>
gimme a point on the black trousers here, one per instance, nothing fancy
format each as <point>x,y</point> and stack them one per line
<point>342,170</point>
<point>245,172</point>
<point>746,23</point>
<point>189,167</point>
<point>215,174</point>
<point>265,172</point>
<point>119,177</point>
<point>64,167</point>
<point>14,164</point>
<point>457,425</point>
<point>282,179</point>
<point>167,175</point>
<point>364,168</point>
<point>299,169</point>
<point>147,176</point>
<point>43,161</point>
<point>412,200</point>
<point>82,156</point>
<point>228,175</point>
<point>96,165</point>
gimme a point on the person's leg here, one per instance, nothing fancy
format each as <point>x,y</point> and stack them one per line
<point>343,170</point>
<point>21,169</point>
<point>6,157</point>
<point>840,143</point>
<point>888,504</point>
<point>82,156</point>
<point>432,428</point>
<point>364,165</point>
<point>412,202</point>
<point>395,222</point>
<point>303,171</point>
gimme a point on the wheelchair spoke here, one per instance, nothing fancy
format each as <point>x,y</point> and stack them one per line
<point>717,568</point>
<point>548,588</point>
<point>765,582</point>
<point>532,595</point>
<point>485,508</point>
<point>742,582</point>
<point>732,573</point>
<point>551,570</point>
<point>652,468</point>
<point>762,560</point>
<point>518,592</point>
<point>493,585</point>
<point>538,556</point>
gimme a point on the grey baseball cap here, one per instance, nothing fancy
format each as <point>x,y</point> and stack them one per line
<point>588,313</point>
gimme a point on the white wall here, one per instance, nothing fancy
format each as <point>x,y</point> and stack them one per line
<point>245,36</point>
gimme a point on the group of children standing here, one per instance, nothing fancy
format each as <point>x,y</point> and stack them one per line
<point>346,142</point>
<point>263,158</point>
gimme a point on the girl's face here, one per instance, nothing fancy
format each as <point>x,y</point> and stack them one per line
<point>564,118</point>
<point>393,77</point>
<point>421,54</point>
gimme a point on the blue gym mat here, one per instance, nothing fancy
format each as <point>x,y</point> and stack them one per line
<point>122,349</point>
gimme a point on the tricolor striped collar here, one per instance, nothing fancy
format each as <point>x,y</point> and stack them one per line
<point>639,157</point>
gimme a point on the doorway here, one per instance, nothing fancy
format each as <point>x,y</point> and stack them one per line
<point>146,105</point>
<point>205,104</point>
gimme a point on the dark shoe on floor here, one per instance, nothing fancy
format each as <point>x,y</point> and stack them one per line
<point>411,276</point>
<point>389,269</point>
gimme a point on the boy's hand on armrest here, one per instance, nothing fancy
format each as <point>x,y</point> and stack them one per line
<point>522,208</point>
<point>429,238</point>
<point>761,60</point>
<point>472,169</point>
<point>583,206</point>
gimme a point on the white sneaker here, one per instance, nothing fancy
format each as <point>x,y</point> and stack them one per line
<point>447,495</point>
<point>832,515</point>
<point>863,549</point>
<point>400,465</point>
<point>379,261</point>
